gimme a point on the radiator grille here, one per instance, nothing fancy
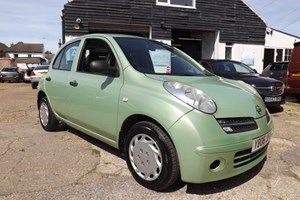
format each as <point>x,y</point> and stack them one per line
<point>245,157</point>
<point>237,125</point>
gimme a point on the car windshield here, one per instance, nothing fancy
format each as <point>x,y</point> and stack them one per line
<point>12,69</point>
<point>231,67</point>
<point>42,67</point>
<point>279,66</point>
<point>152,57</point>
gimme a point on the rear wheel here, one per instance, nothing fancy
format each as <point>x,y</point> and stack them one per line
<point>151,156</point>
<point>297,96</point>
<point>34,85</point>
<point>46,116</point>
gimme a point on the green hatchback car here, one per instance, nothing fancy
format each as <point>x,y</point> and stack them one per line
<point>167,115</point>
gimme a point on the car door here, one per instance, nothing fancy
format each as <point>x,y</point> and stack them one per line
<point>94,97</point>
<point>58,79</point>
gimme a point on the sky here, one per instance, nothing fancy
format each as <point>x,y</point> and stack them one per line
<point>38,21</point>
<point>282,15</point>
<point>31,21</point>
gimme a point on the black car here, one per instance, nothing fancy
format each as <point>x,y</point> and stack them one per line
<point>277,70</point>
<point>271,90</point>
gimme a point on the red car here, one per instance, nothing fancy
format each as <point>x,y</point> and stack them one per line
<point>293,72</point>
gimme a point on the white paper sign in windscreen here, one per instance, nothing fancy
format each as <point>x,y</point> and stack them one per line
<point>161,60</point>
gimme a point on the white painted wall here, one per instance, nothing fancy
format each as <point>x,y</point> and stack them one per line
<point>25,55</point>
<point>69,37</point>
<point>244,53</point>
<point>209,45</point>
<point>277,39</point>
<point>241,53</point>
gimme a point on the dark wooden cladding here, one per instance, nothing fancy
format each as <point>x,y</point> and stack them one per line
<point>236,22</point>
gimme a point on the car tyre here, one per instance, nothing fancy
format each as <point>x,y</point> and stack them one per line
<point>46,116</point>
<point>151,156</point>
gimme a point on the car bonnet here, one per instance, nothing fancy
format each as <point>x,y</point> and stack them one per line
<point>233,98</point>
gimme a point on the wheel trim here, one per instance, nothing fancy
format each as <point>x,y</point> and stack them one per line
<point>145,157</point>
<point>44,114</point>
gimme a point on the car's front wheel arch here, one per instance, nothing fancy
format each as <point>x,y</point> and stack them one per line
<point>128,123</point>
<point>151,156</point>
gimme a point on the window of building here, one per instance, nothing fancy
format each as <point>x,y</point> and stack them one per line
<point>287,54</point>
<point>177,3</point>
<point>279,54</point>
<point>29,55</point>
<point>228,52</point>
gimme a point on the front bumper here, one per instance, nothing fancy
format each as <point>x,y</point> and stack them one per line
<point>206,153</point>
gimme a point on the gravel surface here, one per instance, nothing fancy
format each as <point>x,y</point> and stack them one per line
<point>35,164</point>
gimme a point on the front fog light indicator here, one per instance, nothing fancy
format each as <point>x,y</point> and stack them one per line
<point>227,129</point>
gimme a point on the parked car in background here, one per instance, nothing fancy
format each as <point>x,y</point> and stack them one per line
<point>293,72</point>
<point>11,74</point>
<point>271,90</point>
<point>276,70</point>
<point>27,77</point>
<point>36,74</point>
<point>169,116</point>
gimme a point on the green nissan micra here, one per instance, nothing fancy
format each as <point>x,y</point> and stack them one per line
<point>169,116</point>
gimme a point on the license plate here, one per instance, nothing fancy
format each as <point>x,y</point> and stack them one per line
<point>272,99</point>
<point>260,142</point>
<point>43,73</point>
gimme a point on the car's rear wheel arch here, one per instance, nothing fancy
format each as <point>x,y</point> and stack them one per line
<point>40,96</point>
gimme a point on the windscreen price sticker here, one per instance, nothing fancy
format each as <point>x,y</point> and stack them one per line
<point>260,142</point>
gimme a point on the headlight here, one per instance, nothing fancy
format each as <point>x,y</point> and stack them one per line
<point>191,96</point>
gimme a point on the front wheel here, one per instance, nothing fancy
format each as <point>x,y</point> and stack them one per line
<point>46,116</point>
<point>151,156</point>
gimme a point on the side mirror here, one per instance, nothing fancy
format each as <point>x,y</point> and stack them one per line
<point>102,67</point>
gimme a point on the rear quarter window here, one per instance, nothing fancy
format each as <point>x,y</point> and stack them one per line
<point>65,58</point>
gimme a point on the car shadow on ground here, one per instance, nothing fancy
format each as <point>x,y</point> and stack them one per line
<point>274,110</point>
<point>200,189</point>
<point>96,142</point>
<point>292,98</point>
<point>279,109</point>
<point>218,186</point>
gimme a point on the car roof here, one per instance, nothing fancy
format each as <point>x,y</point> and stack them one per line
<point>40,66</point>
<point>111,35</point>
<point>219,60</point>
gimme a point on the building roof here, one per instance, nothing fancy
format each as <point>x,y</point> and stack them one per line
<point>2,47</point>
<point>285,33</point>
<point>34,60</point>
<point>26,47</point>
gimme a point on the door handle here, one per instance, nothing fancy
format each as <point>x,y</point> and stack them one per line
<point>48,78</point>
<point>73,83</point>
